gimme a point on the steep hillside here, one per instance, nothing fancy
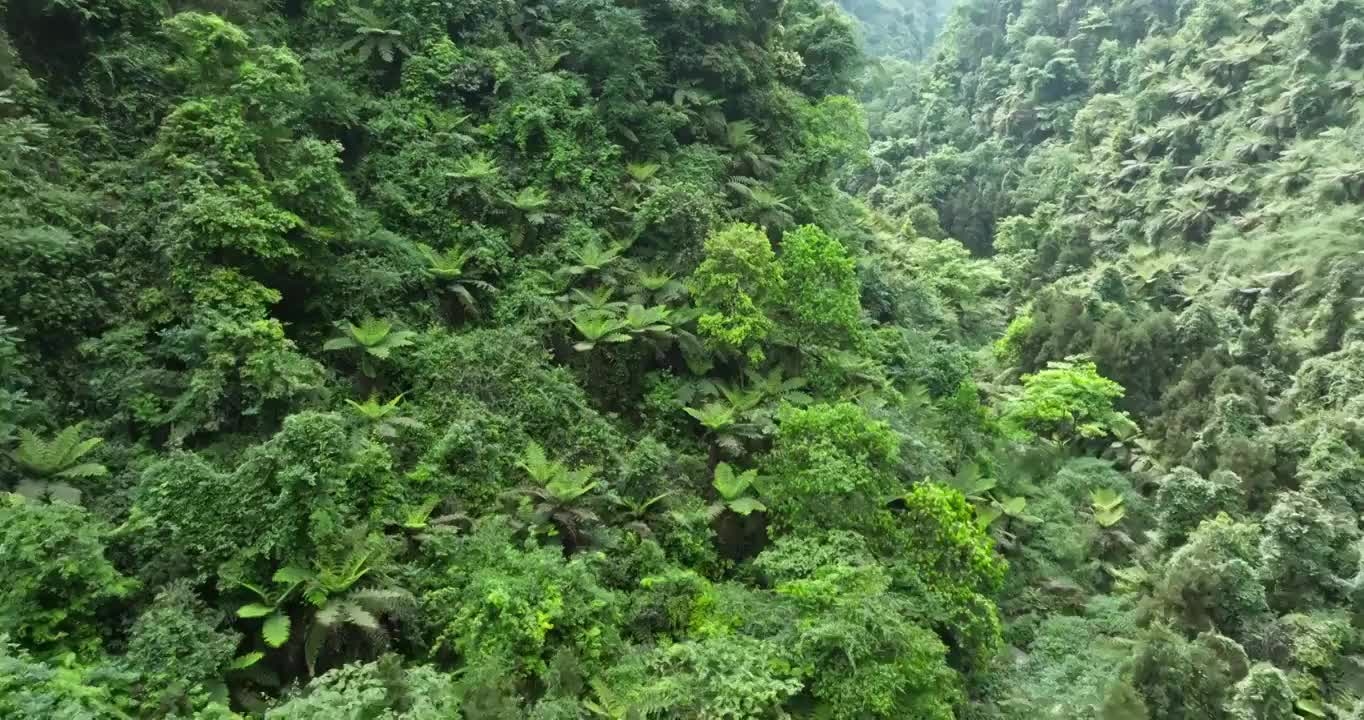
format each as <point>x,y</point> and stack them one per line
<point>1174,191</point>
<point>673,359</point>
<point>479,359</point>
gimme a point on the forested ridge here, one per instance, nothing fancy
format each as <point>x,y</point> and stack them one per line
<point>682,359</point>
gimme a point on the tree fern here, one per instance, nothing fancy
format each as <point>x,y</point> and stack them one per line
<point>59,457</point>
<point>733,489</point>
<point>375,337</point>
<point>382,419</point>
<point>47,463</point>
<point>373,36</point>
<point>557,499</point>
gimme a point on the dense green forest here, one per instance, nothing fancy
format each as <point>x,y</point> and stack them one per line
<point>713,359</point>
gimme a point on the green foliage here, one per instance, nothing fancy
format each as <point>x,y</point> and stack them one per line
<point>1264,694</point>
<point>1176,678</point>
<point>61,582</point>
<point>1185,498</point>
<point>48,463</point>
<point>64,689</point>
<point>733,489</point>
<point>287,500</point>
<point>1068,402</point>
<point>821,291</point>
<point>865,652</point>
<point>736,676</point>
<point>377,689</point>
<point>745,311</point>
<point>732,287</point>
<point>831,466</point>
<point>1213,580</point>
<point>178,651</point>
<point>509,609</point>
<point>1301,550</point>
<point>374,337</point>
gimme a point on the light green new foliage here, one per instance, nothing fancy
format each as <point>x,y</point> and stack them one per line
<point>940,551</point>
<point>733,489</point>
<point>508,608</point>
<point>732,288</point>
<point>821,290</point>
<point>376,338</point>
<point>1068,402</point>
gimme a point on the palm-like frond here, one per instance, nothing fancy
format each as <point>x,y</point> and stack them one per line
<point>593,258</point>
<point>642,173</point>
<point>373,35</point>
<point>445,265</point>
<point>48,491</point>
<point>530,200</point>
<point>714,416</point>
<point>598,301</point>
<point>639,319</point>
<point>376,336</point>
<point>598,328</point>
<point>733,488</point>
<point>58,457</point>
<point>475,168</point>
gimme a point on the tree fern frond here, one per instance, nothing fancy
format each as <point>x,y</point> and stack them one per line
<point>275,631</point>
<point>339,343</point>
<point>58,456</point>
<point>384,600</point>
<point>84,470</point>
<point>312,645</point>
<point>328,615</point>
<point>291,574</point>
<point>41,490</point>
<point>358,616</point>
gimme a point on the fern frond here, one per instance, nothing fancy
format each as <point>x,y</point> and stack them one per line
<point>291,575</point>
<point>84,470</point>
<point>383,601</point>
<point>39,490</point>
<point>328,615</point>
<point>275,631</point>
<point>358,616</point>
<point>312,645</point>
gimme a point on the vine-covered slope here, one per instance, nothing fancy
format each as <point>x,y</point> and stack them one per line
<point>680,359</point>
